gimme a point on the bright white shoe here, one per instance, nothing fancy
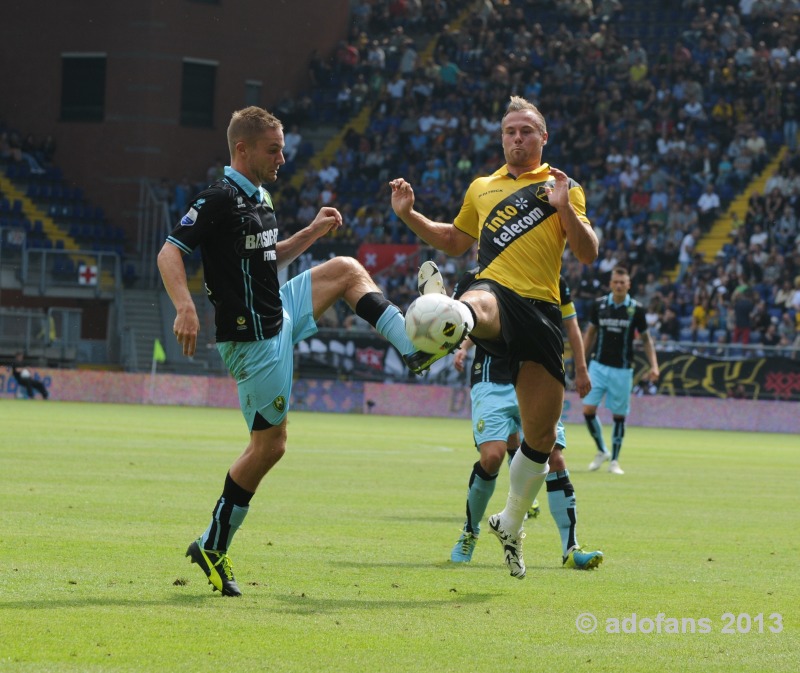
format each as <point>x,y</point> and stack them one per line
<point>429,279</point>
<point>512,547</point>
<point>614,468</point>
<point>599,459</point>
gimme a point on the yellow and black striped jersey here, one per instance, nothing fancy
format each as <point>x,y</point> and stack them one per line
<point>520,236</point>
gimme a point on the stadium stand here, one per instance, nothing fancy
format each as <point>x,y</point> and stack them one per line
<point>673,116</point>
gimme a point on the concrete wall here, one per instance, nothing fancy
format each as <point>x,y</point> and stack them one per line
<point>145,43</point>
<point>659,411</point>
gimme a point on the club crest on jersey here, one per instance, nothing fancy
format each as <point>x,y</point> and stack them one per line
<point>190,218</point>
<point>279,403</point>
<point>541,191</point>
<point>241,323</point>
<point>480,426</point>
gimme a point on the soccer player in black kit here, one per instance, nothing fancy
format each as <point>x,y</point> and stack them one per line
<point>257,320</point>
<point>614,322</point>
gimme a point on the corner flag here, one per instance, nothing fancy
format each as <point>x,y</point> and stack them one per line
<point>158,352</point>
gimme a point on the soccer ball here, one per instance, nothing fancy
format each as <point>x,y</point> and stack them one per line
<point>435,322</point>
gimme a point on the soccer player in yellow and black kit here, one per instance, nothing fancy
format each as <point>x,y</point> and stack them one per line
<point>522,217</point>
<point>495,429</point>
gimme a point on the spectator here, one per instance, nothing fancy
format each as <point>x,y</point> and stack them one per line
<point>783,296</point>
<point>786,329</point>
<point>292,141</point>
<point>670,325</point>
<point>760,318</point>
<point>26,380</point>
<point>686,251</point>
<point>770,336</point>
<point>708,206</point>
<point>795,302</point>
<point>328,173</point>
<point>790,113</point>
<point>742,309</point>
<point>757,147</point>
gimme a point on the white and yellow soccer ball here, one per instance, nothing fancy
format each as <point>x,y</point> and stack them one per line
<point>435,322</point>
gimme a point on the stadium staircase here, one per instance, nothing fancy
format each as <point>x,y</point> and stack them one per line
<point>45,228</point>
<point>141,320</point>
<point>360,120</point>
<point>719,235</point>
<point>148,315</point>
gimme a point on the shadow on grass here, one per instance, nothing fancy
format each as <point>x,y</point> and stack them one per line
<point>426,518</point>
<point>95,601</point>
<point>442,565</point>
<point>293,603</point>
<point>305,604</point>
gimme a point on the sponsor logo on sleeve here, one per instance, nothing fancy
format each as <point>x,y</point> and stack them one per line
<point>190,218</point>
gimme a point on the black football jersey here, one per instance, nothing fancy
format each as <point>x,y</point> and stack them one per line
<point>233,223</point>
<point>617,327</point>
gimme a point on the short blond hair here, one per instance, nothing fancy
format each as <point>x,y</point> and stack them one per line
<point>520,104</point>
<point>249,123</point>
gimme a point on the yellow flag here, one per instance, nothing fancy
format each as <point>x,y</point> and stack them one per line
<point>158,352</point>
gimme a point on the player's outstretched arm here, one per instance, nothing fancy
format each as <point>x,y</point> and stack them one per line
<point>327,219</point>
<point>441,235</point>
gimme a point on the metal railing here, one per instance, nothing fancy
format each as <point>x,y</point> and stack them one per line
<point>154,225</point>
<point>50,337</point>
<point>89,272</point>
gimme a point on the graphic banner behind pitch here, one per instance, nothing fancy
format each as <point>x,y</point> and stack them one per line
<point>762,378</point>
<point>369,357</point>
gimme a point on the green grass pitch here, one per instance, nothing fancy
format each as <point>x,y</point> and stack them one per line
<point>343,556</point>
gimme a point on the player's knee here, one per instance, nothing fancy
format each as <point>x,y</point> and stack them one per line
<point>492,456</point>
<point>343,270</point>
<point>557,462</point>
<point>542,441</point>
<point>491,463</point>
<point>485,312</point>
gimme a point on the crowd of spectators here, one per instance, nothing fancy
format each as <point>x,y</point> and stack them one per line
<point>661,133</point>
<point>661,139</point>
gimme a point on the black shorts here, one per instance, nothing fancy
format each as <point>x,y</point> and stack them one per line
<point>531,330</point>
